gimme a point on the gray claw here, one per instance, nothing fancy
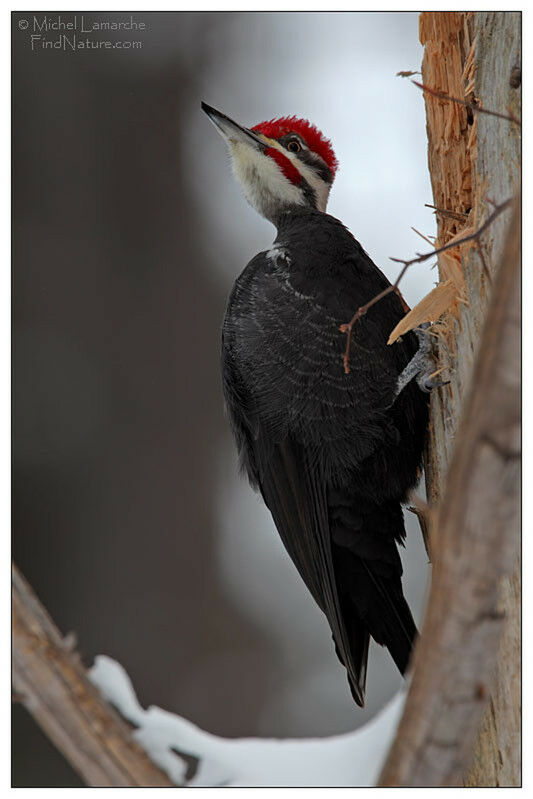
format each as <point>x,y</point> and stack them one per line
<point>421,366</point>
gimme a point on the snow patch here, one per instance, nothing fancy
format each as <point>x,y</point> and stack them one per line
<point>350,760</point>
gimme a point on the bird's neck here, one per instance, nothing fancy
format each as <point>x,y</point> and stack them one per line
<point>285,216</point>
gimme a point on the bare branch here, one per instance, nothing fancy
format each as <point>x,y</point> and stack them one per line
<point>457,215</point>
<point>473,107</point>
<point>348,326</point>
<point>486,270</point>
<point>50,681</point>
<point>425,238</point>
<point>458,242</point>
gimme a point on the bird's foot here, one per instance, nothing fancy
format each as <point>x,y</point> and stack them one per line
<point>421,366</point>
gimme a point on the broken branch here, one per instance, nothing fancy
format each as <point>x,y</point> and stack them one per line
<point>51,682</point>
<point>457,215</point>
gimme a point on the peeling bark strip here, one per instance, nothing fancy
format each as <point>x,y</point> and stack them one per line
<point>468,658</point>
<point>50,681</point>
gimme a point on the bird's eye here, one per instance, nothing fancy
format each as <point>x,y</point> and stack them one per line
<point>294,146</point>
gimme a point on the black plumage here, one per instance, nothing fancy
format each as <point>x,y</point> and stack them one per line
<point>332,454</point>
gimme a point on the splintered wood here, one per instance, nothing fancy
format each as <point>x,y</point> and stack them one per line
<point>448,66</point>
<point>474,162</point>
<point>431,307</point>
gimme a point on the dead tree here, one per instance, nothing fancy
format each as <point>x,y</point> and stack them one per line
<point>461,725</point>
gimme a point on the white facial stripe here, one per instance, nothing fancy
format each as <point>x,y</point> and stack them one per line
<point>320,187</point>
<point>265,186</point>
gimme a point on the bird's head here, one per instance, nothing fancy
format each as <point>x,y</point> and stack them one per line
<point>281,164</point>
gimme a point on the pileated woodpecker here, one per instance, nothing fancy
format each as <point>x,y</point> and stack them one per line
<point>333,454</point>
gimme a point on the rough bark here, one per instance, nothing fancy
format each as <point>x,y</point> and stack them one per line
<point>468,659</point>
<point>476,545</point>
<point>467,55</point>
<point>51,682</point>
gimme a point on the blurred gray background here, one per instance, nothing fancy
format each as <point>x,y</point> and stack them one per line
<point>130,520</point>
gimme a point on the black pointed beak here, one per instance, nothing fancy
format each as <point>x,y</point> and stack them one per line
<point>231,131</point>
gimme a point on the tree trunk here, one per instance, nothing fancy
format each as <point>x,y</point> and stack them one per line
<point>476,56</point>
<point>474,159</point>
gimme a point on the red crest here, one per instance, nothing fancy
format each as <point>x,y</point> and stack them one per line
<point>315,140</point>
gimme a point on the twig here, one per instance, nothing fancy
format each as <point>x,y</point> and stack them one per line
<point>50,681</point>
<point>473,107</point>
<point>348,326</point>
<point>471,237</point>
<point>486,271</point>
<point>424,514</point>
<point>459,217</point>
<point>426,239</point>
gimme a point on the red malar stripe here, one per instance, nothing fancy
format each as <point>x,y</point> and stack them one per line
<point>286,166</point>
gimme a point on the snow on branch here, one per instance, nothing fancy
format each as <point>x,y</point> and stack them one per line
<point>73,707</point>
<point>350,760</point>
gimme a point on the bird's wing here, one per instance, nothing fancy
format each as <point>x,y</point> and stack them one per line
<point>295,493</point>
<point>283,344</point>
<point>298,418</point>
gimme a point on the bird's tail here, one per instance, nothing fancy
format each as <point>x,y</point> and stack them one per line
<point>368,572</point>
<point>359,639</point>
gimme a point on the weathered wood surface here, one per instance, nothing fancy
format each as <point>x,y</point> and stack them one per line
<point>494,149</point>
<point>475,549</point>
<point>497,751</point>
<point>49,679</point>
<point>471,164</point>
<point>472,56</point>
<point>467,55</point>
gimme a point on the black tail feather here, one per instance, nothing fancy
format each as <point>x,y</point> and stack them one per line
<point>392,624</point>
<point>359,638</point>
<point>368,573</point>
